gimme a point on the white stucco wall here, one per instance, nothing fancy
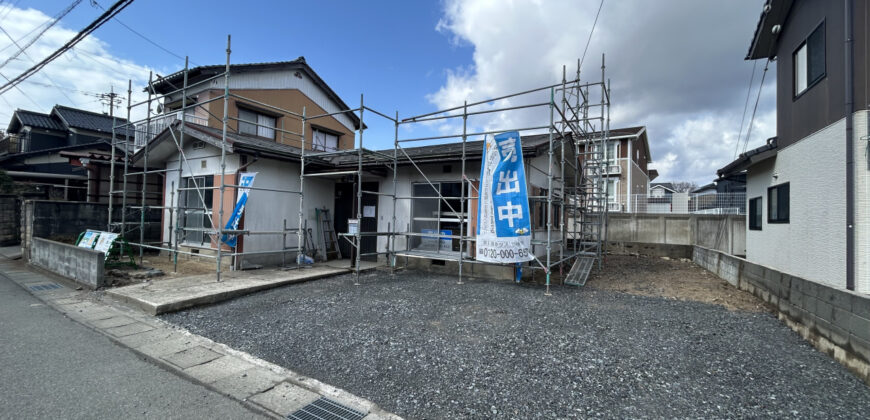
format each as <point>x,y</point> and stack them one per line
<point>408,175</point>
<point>813,244</point>
<point>204,161</point>
<point>267,210</point>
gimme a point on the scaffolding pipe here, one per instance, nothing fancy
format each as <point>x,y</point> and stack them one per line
<point>359,191</point>
<point>300,234</point>
<point>550,189</point>
<point>144,183</point>
<point>485,101</point>
<point>462,189</point>
<point>223,158</point>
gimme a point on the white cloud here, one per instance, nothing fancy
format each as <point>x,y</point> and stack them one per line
<point>676,67</point>
<point>78,74</point>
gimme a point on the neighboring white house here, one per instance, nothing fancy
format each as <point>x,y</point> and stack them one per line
<point>807,190</point>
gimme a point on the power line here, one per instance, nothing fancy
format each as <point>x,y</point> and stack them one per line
<point>745,107</point>
<point>152,42</point>
<point>114,10</point>
<point>590,34</point>
<point>9,9</point>
<point>757,99</point>
<point>21,49</point>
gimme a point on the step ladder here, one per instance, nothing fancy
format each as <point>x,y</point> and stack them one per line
<point>330,239</point>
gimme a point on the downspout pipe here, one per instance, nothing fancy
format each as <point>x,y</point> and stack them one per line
<point>850,152</point>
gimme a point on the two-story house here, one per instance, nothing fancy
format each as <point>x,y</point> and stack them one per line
<point>62,153</point>
<point>260,138</point>
<point>627,171</point>
<point>808,189</point>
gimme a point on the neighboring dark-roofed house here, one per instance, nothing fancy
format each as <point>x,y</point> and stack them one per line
<point>33,152</point>
<point>807,188</point>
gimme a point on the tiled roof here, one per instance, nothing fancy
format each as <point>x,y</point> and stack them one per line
<point>86,120</point>
<point>39,120</point>
<point>174,80</point>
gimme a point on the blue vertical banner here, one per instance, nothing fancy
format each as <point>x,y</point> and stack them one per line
<point>246,179</point>
<point>504,232</point>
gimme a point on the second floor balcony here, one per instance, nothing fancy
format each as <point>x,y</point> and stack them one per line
<point>145,131</point>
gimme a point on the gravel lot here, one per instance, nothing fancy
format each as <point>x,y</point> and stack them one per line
<point>423,347</point>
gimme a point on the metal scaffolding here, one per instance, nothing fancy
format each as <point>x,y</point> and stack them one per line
<point>575,137</point>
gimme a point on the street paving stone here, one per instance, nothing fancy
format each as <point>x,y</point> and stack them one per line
<point>421,346</point>
<point>191,357</point>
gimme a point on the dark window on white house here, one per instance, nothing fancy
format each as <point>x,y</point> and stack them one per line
<point>256,124</point>
<point>809,61</point>
<point>777,203</point>
<point>755,210</point>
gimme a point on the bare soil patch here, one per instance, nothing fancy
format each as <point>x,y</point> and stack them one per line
<point>668,278</point>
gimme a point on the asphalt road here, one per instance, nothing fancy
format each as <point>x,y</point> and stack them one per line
<point>52,367</point>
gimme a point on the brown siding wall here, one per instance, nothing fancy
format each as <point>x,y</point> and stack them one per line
<point>289,99</point>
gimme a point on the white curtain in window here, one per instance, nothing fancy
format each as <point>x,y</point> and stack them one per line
<point>325,141</point>
<point>800,70</point>
<point>268,122</point>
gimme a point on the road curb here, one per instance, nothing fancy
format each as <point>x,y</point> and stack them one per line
<point>197,359</point>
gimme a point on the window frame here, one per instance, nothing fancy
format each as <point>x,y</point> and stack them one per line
<point>759,207</point>
<point>794,68</point>
<point>779,188</point>
<point>316,147</point>
<point>205,183</point>
<point>256,124</point>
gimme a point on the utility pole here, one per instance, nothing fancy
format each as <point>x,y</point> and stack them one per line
<point>110,99</point>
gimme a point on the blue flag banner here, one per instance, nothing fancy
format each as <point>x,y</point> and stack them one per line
<point>504,232</point>
<point>246,179</point>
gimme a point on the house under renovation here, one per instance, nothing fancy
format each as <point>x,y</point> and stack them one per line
<point>319,191</point>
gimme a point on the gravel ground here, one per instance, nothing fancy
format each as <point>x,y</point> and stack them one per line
<point>423,347</point>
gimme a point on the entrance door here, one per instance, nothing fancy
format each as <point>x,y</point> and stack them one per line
<point>345,208</point>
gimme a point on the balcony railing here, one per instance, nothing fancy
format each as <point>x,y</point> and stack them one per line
<point>145,131</point>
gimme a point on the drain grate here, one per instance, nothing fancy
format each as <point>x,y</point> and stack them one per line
<point>325,409</point>
<point>46,286</point>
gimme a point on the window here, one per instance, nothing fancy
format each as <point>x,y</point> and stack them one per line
<point>610,188</point>
<point>755,210</point>
<point>256,124</point>
<point>809,61</point>
<point>197,205</point>
<point>777,204</point>
<point>324,141</point>
<point>432,215</point>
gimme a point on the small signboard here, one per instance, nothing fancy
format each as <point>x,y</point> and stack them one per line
<point>352,226</point>
<point>104,242</point>
<point>88,239</point>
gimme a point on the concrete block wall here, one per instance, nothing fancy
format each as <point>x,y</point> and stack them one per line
<point>836,321</point>
<point>10,220</point>
<point>65,220</point>
<point>723,232</point>
<point>81,265</point>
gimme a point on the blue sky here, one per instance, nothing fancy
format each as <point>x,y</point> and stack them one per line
<point>677,65</point>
